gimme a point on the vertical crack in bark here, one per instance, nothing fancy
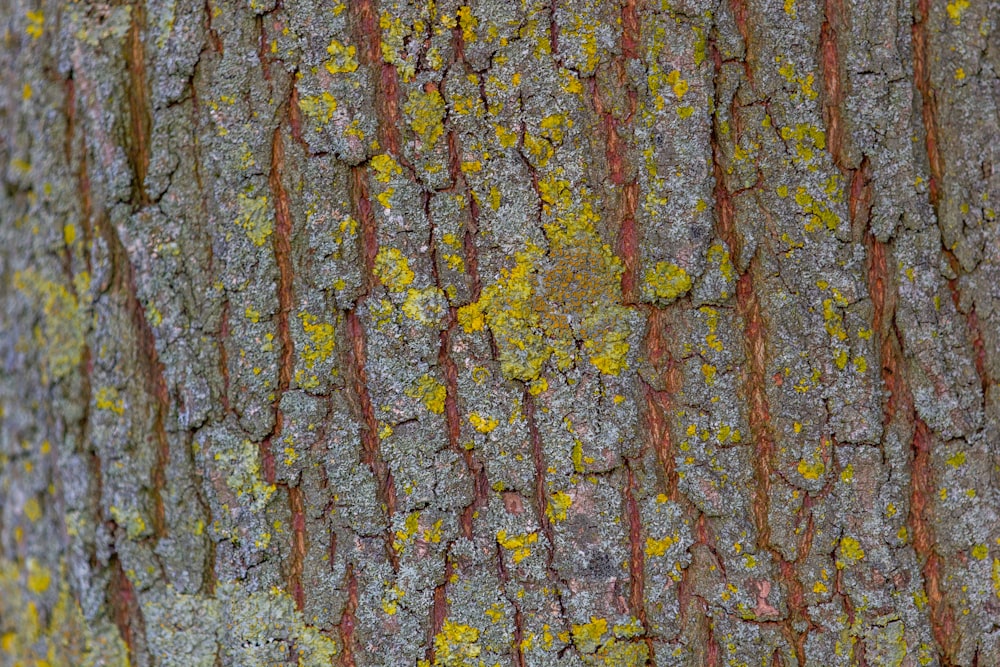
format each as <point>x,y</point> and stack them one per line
<point>637,560</point>
<point>921,493</point>
<point>829,60</point>
<point>361,203</point>
<point>140,115</point>
<point>286,302</point>
<point>899,409</point>
<point>283,258</point>
<point>368,35</point>
<point>149,365</point>
<point>125,610</point>
<point>538,456</point>
<point>348,642</point>
<point>922,79</point>
<point>657,403</point>
<point>371,453</point>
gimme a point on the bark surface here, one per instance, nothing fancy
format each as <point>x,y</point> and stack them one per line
<point>483,332</point>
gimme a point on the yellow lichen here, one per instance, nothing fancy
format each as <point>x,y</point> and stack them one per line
<point>558,506</point>
<point>393,269</point>
<point>385,167</point>
<point>850,552</point>
<point>666,282</point>
<point>322,340</point>
<point>426,112</point>
<point>811,470</point>
<point>254,218</point>
<point>342,58</point>
<point>107,399</point>
<point>658,547</point>
<point>426,306</point>
<point>483,424</point>
<point>519,544</point>
<point>457,645</point>
<point>588,636</point>
<point>955,10</point>
<point>62,335</point>
<point>318,107</point>
<point>431,392</point>
<point>36,19</point>
<point>549,302</point>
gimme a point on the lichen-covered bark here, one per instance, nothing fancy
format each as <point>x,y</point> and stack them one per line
<point>480,332</point>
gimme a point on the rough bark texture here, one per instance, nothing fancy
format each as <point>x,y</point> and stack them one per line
<point>516,332</point>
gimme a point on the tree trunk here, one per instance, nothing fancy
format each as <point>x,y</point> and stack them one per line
<point>525,332</point>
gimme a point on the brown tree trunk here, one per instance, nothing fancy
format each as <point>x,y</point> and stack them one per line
<point>524,332</point>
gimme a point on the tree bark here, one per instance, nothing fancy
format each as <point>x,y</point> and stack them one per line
<point>538,332</point>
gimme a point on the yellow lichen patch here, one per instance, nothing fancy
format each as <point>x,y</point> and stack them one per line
<point>717,254</point>
<point>539,149</point>
<point>62,336</point>
<point>431,392</point>
<point>483,424</point>
<point>507,138</point>
<point>393,45</point>
<point>956,460</point>
<point>805,83</point>
<point>980,551</point>
<point>241,465</point>
<point>850,552</point>
<point>39,577</point>
<point>342,58</point>
<point>468,23</point>
<point>410,527</point>
<point>320,107</point>
<point>554,127</point>
<point>393,269</point>
<point>107,399</point>
<point>254,218</point>
<point>658,547</point>
<point>471,317</point>
<point>549,302</point>
<point>538,386</point>
<point>996,576</point>
<point>811,470</point>
<point>385,167</point>
<point>558,506</point>
<point>679,85</point>
<point>519,544</point>
<point>131,520</point>
<point>819,213</point>
<point>588,636</point>
<point>666,282</point>
<point>426,113</point>
<point>36,19</point>
<point>321,340</point>
<point>457,645</point>
<point>32,510</point>
<point>955,10</point>
<point>426,305</point>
